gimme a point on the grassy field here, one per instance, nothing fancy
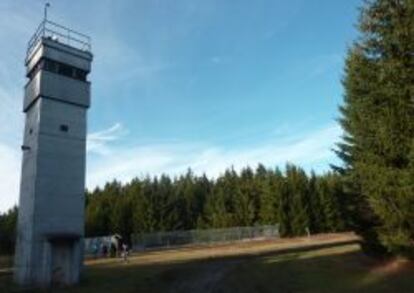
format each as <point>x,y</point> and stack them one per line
<point>5,261</point>
<point>324,264</point>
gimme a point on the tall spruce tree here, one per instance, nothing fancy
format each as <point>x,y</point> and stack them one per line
<point>316,214</point>
<point>272,187</point>
<point>216,213</point>
<point>297,184</point>
<point>329,191</point>
<point>245,195</point>
<point>285,210</point>
<point>378,121</point>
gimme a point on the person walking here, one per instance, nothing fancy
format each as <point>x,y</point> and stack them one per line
<point>125,252</point>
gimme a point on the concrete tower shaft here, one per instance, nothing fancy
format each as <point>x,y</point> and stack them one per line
<point>51,207</point>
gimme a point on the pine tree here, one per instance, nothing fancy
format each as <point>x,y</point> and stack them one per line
<point>272,186</point>
<point>377,118</point>
<point>244,195</point>
<point>329,191</point>
<point>168,214</point>
<point>297,184</point>
<point>204,189</point>
<point>316,214</point>
<point>216,214</point>
<point>144,216</point>
<point>122,217</point>
<point>98,213</point>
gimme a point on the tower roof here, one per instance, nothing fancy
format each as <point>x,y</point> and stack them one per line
<point>60,34</point>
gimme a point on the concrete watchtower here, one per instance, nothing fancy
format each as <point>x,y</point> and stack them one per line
<point>49,246</point>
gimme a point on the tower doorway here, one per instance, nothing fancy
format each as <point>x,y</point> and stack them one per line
<point>62,257</point>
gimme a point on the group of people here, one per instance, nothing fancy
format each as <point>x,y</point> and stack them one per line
<point>115,248</point>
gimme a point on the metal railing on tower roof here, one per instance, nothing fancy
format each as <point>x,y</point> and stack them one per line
<point>60,34</point>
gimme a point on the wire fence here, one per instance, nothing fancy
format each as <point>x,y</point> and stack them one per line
<point>94,246</point>
<point>209,236</point>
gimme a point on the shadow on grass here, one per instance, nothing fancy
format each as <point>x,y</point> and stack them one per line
<point>339,267</point>
<point>327,270</point>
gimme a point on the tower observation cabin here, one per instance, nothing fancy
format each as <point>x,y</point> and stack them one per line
<point>49,247</point>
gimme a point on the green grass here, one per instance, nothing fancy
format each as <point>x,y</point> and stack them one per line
<point>340,268</point>
<point>6,261</point>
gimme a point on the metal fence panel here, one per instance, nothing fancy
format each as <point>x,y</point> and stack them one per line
<point>189,237</point>
<point>177,238</point>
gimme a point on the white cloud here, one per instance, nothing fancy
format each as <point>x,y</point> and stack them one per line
<point>125,163</point>
<point>10,176</point>
<point>97,142</point>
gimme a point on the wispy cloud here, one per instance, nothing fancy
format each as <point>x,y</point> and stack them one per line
<point>124,164</point>
<point>98,142</point>
<point>216,59</point>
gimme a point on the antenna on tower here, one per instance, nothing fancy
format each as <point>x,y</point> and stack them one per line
<point>47,5</point>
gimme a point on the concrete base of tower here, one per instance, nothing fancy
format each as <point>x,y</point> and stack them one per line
<point>52,260</point>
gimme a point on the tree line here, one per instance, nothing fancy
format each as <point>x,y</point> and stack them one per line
<point>296,201</point>
<point>299,203</point>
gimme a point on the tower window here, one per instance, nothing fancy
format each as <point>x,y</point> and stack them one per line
<point>50,65</point>
<point>64,128</point>
<point>65,70</point>
<point>80,74</point>
<point>59,68</point>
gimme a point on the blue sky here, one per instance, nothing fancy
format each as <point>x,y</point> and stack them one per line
<point>206,84</point>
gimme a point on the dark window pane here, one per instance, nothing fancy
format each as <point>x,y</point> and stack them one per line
<point>65,70</point>
<point>59,68</point>
<point>51,66</point>
<point>64,128</point>
<point>80,74</point>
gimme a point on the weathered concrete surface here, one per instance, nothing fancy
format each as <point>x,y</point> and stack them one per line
<point>51,209</point>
